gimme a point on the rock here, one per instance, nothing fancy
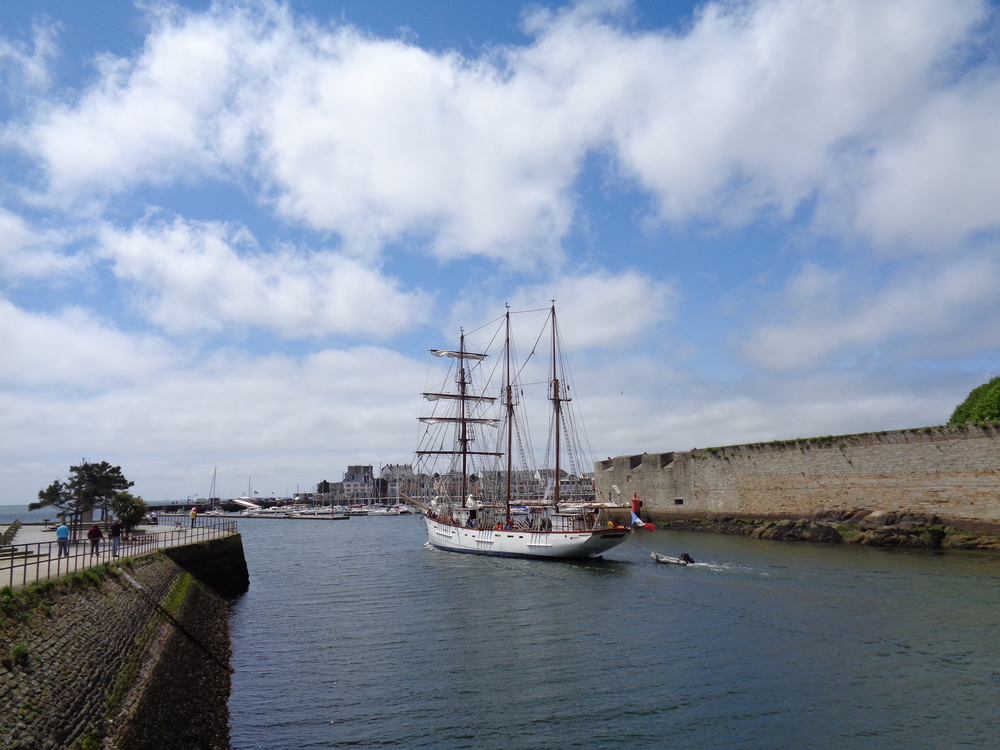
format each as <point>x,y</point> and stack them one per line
<point>798,531</point>
<point>877,519</point>
<point>897,537</point>
<point>832,515</point>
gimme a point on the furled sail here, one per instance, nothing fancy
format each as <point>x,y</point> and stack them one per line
<point>436,396</point>
<point>457,355</point>
<point>459,420</point>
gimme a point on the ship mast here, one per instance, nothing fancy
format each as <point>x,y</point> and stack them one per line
<point>463,434</point>
<point>461,418</point>
<point>509,393</point>
<point>556,405</point>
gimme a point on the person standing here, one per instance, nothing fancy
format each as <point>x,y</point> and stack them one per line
<point>95,535</point>
<point>116,537</point>
<point>194,516</point>
<point>62,539</point>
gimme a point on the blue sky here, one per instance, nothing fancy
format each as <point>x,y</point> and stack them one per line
<point>232,230</point>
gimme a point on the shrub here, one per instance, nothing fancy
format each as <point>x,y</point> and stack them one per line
<point>129,509</point>
<point>981,405</point>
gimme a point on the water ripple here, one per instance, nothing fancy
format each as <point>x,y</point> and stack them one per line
<point>359,636</point>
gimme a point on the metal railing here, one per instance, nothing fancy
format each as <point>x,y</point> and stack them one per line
<point>21,564</point>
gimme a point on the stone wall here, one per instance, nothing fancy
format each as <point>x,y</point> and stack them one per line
<point>92,662</point>
<point>951,472</point>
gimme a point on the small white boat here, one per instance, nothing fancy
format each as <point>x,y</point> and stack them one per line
<point>684,559</point>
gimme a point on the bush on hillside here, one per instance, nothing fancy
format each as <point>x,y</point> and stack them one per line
<point>982,405</point>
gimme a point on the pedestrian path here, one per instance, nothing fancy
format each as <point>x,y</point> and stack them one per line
<point>34,554</point>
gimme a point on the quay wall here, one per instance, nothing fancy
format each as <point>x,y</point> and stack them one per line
<point>88,661</point>
<point>952,472</point>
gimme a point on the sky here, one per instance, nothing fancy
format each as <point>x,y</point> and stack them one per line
<point>230,231</point>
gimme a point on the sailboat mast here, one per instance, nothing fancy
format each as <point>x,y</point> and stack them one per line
<point>510,415</point>
<point>463,434</point>
<point>556,405</point>
<point>211,491</point>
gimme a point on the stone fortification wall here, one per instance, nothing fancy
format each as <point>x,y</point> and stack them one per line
<point>89,661</point>
<point>952,472</point>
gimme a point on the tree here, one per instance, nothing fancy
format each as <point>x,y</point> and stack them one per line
<point>89,485</point>
<point>57,495</point>
<point>130,510</point>
<point>97,483</point>
<point>981,405</point>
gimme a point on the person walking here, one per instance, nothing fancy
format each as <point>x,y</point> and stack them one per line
<point>62,539</point>
<point>95,535</point>
<point>194,516</point>
<point>116,537</point>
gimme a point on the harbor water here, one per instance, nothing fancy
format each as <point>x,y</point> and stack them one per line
<point>354,634</point>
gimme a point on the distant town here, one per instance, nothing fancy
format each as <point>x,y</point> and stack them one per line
<point>395,482</point>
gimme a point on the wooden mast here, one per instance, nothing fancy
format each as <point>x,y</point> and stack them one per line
<point>556,405</point>
<point>510,416</point>
<point>463,434</point>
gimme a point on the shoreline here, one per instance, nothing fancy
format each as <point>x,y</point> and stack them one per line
<point>912,534</point>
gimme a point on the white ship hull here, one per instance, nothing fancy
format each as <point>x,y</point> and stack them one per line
<point>521,543</point>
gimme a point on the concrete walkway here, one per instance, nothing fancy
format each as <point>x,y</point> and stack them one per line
<point>34,554</point>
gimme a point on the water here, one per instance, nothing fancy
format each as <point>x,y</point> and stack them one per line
<point>11,513</point>
<point>353,634</point>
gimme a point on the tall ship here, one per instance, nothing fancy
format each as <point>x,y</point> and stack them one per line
<point>482,493</point>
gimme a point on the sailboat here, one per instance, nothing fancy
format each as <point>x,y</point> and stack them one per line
<point>477,499</point>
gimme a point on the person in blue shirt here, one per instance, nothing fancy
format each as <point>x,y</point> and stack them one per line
<point>62,537</point>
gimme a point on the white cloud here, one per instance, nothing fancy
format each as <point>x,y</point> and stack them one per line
<point>72,350</point>
<point>939,181</point>
<point>280,419</point>
<point>195,276</point>
<point>758,108</point>
<point>164,116</point>
<point>751,110</point>
<point>596,310</point>
<point>26,70</point>
<point>374,139</point>
<point>684,414</point>
<point>943,310</point>
<point>602,309</point>
<point>370,138</point>
<point>27,253</point>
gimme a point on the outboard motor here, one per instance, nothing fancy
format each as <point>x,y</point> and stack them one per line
<point>687,558</point>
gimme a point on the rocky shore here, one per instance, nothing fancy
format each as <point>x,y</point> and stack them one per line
<point>859,526</point>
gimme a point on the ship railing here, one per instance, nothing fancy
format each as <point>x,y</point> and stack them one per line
<point>23,564</point>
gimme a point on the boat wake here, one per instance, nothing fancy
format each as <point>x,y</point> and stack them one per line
<point>734,568</point>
